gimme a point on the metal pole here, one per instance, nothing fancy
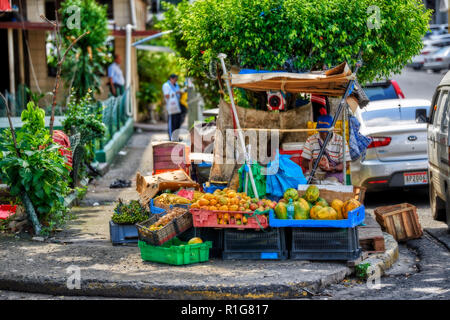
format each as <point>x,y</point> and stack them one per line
<point>344,135</point>
<point>222,56</point>
<point>348,91</point>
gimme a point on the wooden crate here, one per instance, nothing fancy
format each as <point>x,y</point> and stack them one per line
<point>400,220</point>
<point>371,237</point>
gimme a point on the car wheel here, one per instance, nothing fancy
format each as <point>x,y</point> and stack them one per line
<point>437,70</point>
<point>437,206</point>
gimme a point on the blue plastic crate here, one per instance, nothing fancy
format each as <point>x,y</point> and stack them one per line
<point>213,187</point>
<point>122,233</point>
<point>355,218</point>
<point>157,210</point>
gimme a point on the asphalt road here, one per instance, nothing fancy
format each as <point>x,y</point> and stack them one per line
<point>418,84</point>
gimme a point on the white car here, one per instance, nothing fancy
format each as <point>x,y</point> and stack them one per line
<point>397,156</point>
<point>419,60</point>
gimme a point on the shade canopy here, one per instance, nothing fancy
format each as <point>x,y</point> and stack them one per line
<point>332,82</point>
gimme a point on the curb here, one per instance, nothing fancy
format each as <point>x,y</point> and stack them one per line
<point>143,289</point>
<point>383,261</point>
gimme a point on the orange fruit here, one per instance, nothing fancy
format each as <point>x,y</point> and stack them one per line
<point>195,205</point>
<point>238,216</point>
<point>244,220</point>
<point>224,208</point>
<point>223,201</point>
<point>203,202</point>
<point>231,194</point>
<point>208,196</point>
<point>226,217</point>
<point>213,202</point>
<point>233,207</point>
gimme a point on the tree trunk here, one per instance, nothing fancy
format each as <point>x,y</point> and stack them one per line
<point>31,213</point>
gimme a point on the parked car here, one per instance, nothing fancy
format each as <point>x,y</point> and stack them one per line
<point>419,60</point>
<point>397,156</point>
<point>439,153</point>
<point>388,89</point>
<point>438,60</point>
<point>436,29</point>
<point>438,41</point>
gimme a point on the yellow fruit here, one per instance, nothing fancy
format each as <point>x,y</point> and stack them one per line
<point>203,202</point>
<point>337,205</point>
<point>233,207</point>
<point>223,208</point>
<point>195,240</point>
<point>313,212</point>
<point>327,213</point>
<point>349,205</point>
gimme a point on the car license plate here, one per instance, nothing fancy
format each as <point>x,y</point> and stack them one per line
<point>412,178</point>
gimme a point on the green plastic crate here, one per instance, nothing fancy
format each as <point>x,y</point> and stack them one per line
<point>175,252</point>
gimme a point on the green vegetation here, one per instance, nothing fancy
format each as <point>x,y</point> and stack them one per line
<point>87,60</point>
<point>39,169</point>
<point>295,35</point>
<point>130,213</point>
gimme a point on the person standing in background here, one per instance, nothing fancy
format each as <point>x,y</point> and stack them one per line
<point>115,75</point>
<point>172,95</point>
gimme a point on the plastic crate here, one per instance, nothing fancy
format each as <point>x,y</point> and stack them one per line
<point>7,210</point>
<point>172,229</point>
<point>255,245</point>
<point>354,218</point>
<point>206,234</point>
<point>213,187</point>
<point>158,210</point>
<point>207,218</point>
<point>325,244</point>
<point>122,233</point>
<point>175,252</point>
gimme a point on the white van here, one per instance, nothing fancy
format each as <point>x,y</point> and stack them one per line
<point>438,152</point>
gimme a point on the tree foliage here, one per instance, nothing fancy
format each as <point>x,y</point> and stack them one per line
<point>87,60</point>
<point>297,35</point>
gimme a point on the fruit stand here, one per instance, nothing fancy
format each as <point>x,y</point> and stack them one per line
<point>242,219</point>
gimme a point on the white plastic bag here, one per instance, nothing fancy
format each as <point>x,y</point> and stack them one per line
<point>173,105</point>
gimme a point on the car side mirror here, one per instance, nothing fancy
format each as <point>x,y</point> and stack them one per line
<point>421,116</point>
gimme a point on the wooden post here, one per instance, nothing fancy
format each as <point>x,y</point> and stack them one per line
<point>12,79</point>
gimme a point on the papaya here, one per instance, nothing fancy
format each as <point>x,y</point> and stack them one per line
<point>349,205</point>
<point>322,202</point>
<point>291,193</point>
<point>327,213</point>
<point>313,211</point>
<point>337,205</point>
<point>305,203</point>
<point>312,194</point>
<point>301,210</point>
<point>281,211</point>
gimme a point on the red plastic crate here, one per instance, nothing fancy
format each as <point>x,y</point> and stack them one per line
<point>208,218</point>
<point>7,210</point>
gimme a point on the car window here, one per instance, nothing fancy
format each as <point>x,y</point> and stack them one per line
<point>391,117</point>
<point>444,51</point>
<point>380,92</point>
<point>441,109</point>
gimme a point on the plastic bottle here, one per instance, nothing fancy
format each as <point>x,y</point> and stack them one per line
<point>290,209</point>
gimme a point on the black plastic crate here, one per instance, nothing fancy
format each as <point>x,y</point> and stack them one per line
<point>255,245</point>
<point>325,244</point>
<point>206,234</point>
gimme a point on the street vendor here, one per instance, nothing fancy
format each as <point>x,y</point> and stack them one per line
<point>332,161</point>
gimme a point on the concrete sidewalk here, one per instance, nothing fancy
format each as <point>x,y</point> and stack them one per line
<point>118,271</point>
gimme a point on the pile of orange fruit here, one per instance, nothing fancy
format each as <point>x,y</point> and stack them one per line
<point>230,200</point>
<point>224,200</point>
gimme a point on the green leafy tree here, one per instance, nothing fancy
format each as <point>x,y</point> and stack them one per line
<point>86,61</point>
<point>39,169</point>
<point>295,35</point>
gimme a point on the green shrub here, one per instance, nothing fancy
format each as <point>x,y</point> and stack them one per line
<point>301,34</point>
<point>39,169</point>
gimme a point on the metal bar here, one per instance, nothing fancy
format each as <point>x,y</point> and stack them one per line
<point>344,146</point>
<point>151,37</point>
<point>222,56</point>
<point>348,91</point>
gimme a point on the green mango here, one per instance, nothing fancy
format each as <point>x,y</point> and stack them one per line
<point>281,210</point>
<point>291,193</point>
